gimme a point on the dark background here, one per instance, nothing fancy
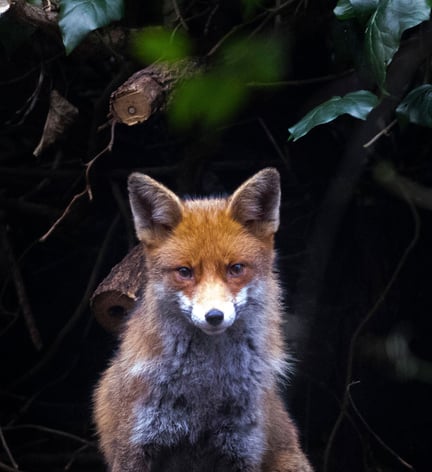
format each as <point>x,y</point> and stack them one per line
<point>345,243</point>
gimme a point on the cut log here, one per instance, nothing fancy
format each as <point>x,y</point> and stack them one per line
<point>116,296</point>
<point>149,90</point>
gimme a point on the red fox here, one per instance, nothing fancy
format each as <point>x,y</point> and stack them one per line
<point>193,386</point>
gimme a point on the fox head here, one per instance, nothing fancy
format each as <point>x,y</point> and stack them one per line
<point>208,256</point>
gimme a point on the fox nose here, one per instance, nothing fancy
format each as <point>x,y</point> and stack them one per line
<point>214,317</point>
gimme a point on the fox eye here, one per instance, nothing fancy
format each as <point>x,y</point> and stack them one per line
<point>184,272</point>
<point>235,270</point>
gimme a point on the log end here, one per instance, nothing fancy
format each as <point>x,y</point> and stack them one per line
<point>112,308</point>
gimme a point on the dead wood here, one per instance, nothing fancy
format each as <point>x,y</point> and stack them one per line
<point>149,90</point>
<point>61,116</point>
<point>118,293</point>
<point>31,14</point>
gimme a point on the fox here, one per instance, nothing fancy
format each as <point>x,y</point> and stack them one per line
<point>194,383</point>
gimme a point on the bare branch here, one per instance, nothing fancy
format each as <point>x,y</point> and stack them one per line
<point>21,291</point>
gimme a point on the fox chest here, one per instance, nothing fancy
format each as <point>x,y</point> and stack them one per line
<point>198,394</point>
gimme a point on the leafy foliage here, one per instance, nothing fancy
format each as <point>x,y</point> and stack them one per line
<point>156,43</point>
<point>357,104</point>
<point>347,9</point>
<point>416,107</point>
<point>215,96</point>
<point>386,20</point>
<point>385,28</point>
<point>78,17</point>
<point>207,100</point>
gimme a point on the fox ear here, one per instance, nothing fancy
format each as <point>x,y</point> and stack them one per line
<point>155,209</point>
<point>255,204</point>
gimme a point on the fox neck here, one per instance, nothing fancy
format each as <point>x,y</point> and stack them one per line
<point>253,343</point>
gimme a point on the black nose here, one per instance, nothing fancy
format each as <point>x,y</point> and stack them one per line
<point>214,317</point>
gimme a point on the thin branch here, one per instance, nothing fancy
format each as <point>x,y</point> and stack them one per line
<point>7,468</point>
<point>56,432</point>
<point>21,291</point>
<point>78,196</point>
<point>266,15</point>
<point>179,15</point>
<point>81,308</point>
<point>8,451</point>
<point>30,103</point>
<point>74,456</point>
<point>362,324</point>
<point>381,133</point>
<point>275,145</point>
<point>372,432</point>
<point>63,215</point>
<point>301,82</point>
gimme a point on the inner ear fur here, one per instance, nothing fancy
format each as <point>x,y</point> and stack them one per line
<point>255,204</point>
<point>155,209</point>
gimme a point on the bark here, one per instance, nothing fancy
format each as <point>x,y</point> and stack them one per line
<point>116,296</point>
<point>149,90</point>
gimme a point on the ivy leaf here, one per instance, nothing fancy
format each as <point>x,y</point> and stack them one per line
<point>78,17</point>
<point>344,10</point>
<point>364,7</point>
<point>385,29</point>
<point>357,104</point>
<point>416,107</point>
<point>361,9</point>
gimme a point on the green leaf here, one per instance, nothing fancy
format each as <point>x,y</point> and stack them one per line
<point>416,107</point>
<point>364,7</point>
<point>78,17</point>
<point>252,59</point>
<point>156,43</point>
<point>360,9</point>
<point>250,7</point>
<point>357,104</point>
<point>207,100</point>
<point>385,29</point>
<point>344,10</point>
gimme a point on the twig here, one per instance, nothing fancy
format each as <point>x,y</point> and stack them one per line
<point>81,308</point>
<point>271,12</point>
<point>8,451</point>
<point>7,468</point>
<point>74,456</point>
<point>21,291</point>
<point>372,432</point>
<point>57,432</point>
<point>125,213</point>
<point>224,38</point>
<point>90,164</point>
<point>267,15</point>
<point>179,15</point>
<point>275,145</point>
<point>209,19</point>
<point>362,324</point>
<point>301,82</point>
<point>31,101</point>
<point>86,191</point>
<point>62,216</point>
<point>378,135</point>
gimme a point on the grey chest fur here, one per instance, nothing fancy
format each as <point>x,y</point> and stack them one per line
<point>205,390</point>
